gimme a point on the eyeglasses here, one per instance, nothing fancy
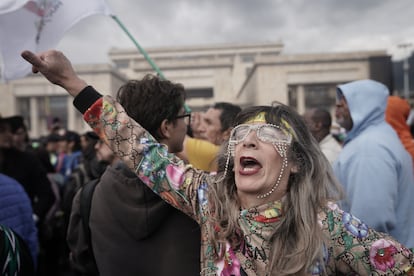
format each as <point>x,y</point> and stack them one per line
<point>267,133</point>
<point>186,116</point>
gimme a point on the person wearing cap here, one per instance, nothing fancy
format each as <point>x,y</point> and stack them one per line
<point>21,139</point>
<point>47,152</point>
<point>71,153</point>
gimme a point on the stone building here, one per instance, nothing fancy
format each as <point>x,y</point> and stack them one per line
<point>245,74</point>
<point>39,102</point>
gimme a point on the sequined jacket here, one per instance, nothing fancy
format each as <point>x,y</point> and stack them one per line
<point>354,248</point>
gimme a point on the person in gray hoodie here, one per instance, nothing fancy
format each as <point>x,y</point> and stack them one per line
<point>373,166</point>
<point>133,231</point>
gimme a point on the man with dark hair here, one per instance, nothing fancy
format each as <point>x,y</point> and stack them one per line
<point>213,129</point>
<point>127,219</point>
<point>158,105</point>
<point>319,122</point>
<point>20,134</point>
<point>217,122</point>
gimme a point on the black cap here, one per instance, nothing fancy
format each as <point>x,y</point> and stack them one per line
<point>72,136</point>
<point>54,138</point>
<point>15,122</point>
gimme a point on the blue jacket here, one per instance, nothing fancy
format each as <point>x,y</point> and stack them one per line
<point>373,167</point>
<point>16,212</point>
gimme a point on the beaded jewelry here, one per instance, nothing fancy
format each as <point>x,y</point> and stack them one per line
<point>281,148</point>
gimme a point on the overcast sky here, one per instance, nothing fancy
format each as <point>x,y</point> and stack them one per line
<point>303,26</point>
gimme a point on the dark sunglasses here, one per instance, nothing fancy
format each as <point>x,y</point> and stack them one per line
<point>186,116</point>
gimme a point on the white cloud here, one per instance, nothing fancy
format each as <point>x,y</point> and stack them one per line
<point>302,25</point>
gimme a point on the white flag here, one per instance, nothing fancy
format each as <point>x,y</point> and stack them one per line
<point>11,5</point>
<point>39,25</point>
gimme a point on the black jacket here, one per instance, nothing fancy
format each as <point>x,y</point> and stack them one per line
<point>27,169</point>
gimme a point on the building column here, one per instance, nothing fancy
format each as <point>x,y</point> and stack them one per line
<point>301,104</point>
<point>71,114</point>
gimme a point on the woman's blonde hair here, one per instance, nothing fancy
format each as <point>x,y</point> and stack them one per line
<point>298,241</point>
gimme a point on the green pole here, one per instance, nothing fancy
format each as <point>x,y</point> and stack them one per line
<point>144,53</point>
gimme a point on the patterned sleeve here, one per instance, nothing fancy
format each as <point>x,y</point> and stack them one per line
<point>356,249</point>
<point>178,184</point>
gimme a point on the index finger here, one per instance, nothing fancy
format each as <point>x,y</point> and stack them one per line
<point>33,59</point>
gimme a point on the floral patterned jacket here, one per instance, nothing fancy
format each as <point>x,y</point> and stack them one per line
<point>354,248</point>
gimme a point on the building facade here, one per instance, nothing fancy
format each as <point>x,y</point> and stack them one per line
<point>253,74</point>
<point>244,74</point>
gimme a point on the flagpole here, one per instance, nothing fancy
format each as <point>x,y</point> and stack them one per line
<point>143,52</point>
<point>2,79</point>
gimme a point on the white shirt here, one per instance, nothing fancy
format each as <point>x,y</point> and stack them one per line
<point>330,147</point>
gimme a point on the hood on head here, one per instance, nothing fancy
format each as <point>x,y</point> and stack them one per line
<point>367,100</point>
<point>397,112</point>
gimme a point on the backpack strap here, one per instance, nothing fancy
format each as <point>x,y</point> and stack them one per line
<point>85,211</point>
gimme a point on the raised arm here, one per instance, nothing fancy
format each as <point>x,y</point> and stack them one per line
<point>164,173</point>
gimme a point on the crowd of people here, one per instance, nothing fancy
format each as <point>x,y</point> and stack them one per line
<point>153,189</point>
<point>36,176</point>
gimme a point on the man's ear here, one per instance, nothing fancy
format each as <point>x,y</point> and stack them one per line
<point>165,129</point>
<point>226,135</point>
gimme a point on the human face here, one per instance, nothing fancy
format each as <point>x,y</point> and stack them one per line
<point>260,162</point>
<point>178,132</point>
<point>310,123</point>
<point>51,147</point>
<point>210,129</point>
<point>62,146</point>
<point>342,114</point>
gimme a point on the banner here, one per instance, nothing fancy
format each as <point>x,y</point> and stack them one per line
<point>39,25</point>
<point>11,5</point>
